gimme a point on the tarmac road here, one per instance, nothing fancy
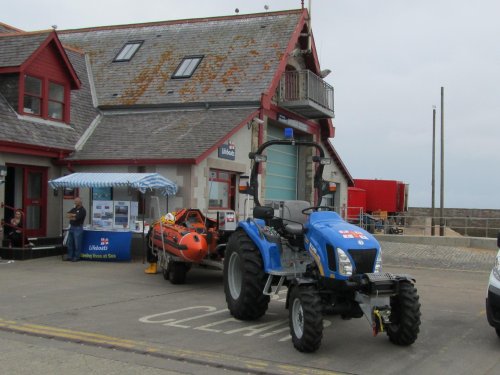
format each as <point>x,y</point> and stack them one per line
<point>105,318</point>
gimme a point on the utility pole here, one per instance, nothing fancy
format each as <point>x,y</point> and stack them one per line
<point>433,206</point>
<point>441,211</point>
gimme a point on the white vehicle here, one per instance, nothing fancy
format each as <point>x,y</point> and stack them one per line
<point>493,297</point>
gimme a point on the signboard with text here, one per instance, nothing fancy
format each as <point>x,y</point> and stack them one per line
<point>227,151</point>
<point>106,246</point>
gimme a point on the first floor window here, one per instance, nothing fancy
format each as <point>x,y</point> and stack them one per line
<point>44,98</point>
<point>32,96</point>
<point>56,101</point>
<point>221,190</point>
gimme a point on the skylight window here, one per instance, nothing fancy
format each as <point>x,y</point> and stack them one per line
<point>128,51</point>
<point>187,67</point>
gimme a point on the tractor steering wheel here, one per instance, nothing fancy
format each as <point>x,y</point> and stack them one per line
<point>308,210</point>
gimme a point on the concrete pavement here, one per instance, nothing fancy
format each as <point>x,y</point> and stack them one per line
<point>437,256</point>
<point>82,318</point>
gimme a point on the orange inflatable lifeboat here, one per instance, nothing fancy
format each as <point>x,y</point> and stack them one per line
<point>191,236</point>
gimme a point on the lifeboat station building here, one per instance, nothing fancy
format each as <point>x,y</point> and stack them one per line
<point>186,99</point>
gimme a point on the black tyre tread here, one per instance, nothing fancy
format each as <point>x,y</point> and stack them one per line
<point>405,316</point>
<point>177,272</point>
<point>252,303</point>
<point>313,319</point>
<point>166,273</point>
<point>497,330</point>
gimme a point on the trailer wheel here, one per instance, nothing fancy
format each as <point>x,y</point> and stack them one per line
<point>177,272</point>
<point>244,278</point>
<point>305,318</point>
<point>405,315</point>
<point>166,272</point>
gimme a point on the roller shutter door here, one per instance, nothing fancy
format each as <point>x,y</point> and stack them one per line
<point>281,172</point>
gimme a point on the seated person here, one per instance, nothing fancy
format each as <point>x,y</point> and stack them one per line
<point>15,229</point>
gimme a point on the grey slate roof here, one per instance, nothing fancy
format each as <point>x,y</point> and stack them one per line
<point>15,49</point>
<point>7,29</point>
<point>241,56</point>
<point>183,134</point>
<point>44,134</point>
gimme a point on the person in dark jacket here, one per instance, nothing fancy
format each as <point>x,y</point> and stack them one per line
<point>76,218</point>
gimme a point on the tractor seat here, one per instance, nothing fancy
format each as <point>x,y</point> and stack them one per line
<point>295,229</point>
<point>292,212</point>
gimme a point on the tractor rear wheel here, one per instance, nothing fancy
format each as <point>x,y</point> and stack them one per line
<point>305,318</point>
<point>405,315</point>
<point>244,278</point>
<point>177,272</point>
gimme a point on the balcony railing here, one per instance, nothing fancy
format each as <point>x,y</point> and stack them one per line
<point>307,94</point>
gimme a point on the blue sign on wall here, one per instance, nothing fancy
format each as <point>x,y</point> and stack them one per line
<point>227,151</point>
<point>106,246</point>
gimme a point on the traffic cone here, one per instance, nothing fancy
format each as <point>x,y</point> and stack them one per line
<point>151,269</point>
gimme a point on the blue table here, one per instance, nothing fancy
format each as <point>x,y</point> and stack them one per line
<point>106,245</point>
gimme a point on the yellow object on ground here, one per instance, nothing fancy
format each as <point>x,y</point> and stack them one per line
<point>151,269</point>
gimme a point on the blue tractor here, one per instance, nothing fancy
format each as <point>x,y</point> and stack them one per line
<point>328,265</point>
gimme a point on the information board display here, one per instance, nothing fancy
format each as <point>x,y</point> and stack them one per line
<point>122,214</point>
<point>102,214</point>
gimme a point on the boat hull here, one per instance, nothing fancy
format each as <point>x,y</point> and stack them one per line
<point>180,241</point>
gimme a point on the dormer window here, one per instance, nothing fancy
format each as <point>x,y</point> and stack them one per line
<point>45,98</point>
<point>128,51</point>
<point>187,67</point>
<point>32,96</point>
<point>56,101</point>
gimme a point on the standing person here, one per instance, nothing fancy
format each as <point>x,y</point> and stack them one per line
<point>76,218</point>
<point>15,234</point>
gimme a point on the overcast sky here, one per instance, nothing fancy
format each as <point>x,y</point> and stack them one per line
<point>389,60</point>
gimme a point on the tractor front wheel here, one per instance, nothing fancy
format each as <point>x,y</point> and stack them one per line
<point>405,315</point>
<point>244,278</point>
<point>305,318</point>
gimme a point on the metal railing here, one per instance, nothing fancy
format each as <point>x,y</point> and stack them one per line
<point>305,85</point>
<point>421,225</point>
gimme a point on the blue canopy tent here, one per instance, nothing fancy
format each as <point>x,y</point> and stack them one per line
<point>140,181</point>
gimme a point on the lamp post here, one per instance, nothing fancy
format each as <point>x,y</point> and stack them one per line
<point>441,211</point>
<point>433,207</point>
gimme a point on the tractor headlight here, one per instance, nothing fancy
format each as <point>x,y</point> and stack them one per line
<point>345,265</point>
<point>378,262</point>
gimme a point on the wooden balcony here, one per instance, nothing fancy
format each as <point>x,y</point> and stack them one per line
<point>306,94</point>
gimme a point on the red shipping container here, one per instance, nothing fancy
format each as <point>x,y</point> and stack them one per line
<point>356,203</point>
<point>383,195</point>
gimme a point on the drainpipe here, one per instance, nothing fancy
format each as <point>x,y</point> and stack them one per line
<point>309,42</point>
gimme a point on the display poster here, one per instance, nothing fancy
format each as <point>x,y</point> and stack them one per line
<point>134,213</point>
<point>102,214</point>
<point>102,193</point>
<point>122,214</point>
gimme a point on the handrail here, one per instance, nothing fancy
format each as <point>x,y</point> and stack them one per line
<point>466,226</point>
<point>305,85</point>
